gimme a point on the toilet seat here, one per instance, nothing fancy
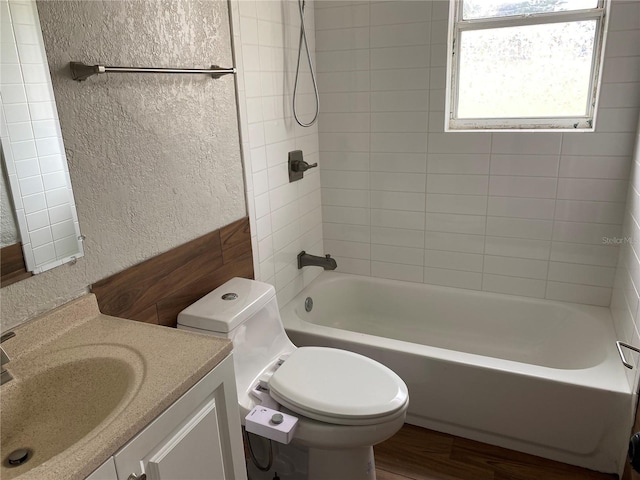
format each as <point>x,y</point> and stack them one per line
<point>338,387</point>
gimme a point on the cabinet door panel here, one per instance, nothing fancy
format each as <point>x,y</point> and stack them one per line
<point>198,439</point>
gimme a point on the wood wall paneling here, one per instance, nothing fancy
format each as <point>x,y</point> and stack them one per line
<point>156,290</point>
<point>12,267</point>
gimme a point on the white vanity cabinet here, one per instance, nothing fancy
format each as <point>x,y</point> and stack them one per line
<point>197,437</point>
<point>106,471</point>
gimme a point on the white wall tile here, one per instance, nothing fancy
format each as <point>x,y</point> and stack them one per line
<point>450,223</point>
<point>340,248</point>
<point>508,205</point>
<point>349,215</point>
<point>606,256</point>
<point>570,292</point>
<point>400,35</point>
<point>412,101</point>
<point>401,122</point>
<point>458,184</point>
<point>516,267</point>
<point>519,228</point>
<point>526,165</point>
<point>517,247</point>
<point>527,143</point>
<point>525,287</point>
<point>354,233</point>
<point>389,13</point>
<point>470,262</point>
<point>540,208</point>
<point>399,162</point>
<point>399,57</point>
<point>342,179</point>
<point>532,187</point>
<point>461,204</point>
<point>400,80</point>
<point>595,167</point>
<point>576,232</point>
<point>397,219</point>
<point>345,197</point>
<point>395,254</point>
<point>458,163</point>
<point>588,211</point>
<point>397,237</point>
<point>399,182</point>
<point>581,274</point>
<point>454,242</point>
<point>396,271</point>
<point>453,278</point>
<point>389,200</point>
<point>592,189</point>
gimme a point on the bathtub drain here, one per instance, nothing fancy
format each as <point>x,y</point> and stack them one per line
<point>308,304</point>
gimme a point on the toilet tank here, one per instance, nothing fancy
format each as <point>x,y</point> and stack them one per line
<point>245,311</point>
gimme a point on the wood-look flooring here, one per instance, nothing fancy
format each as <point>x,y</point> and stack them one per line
<point>416,453</point>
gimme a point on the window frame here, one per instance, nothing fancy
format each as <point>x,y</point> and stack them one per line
<point>457,25</point>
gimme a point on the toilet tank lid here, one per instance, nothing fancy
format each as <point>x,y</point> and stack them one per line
<point>221,311</point>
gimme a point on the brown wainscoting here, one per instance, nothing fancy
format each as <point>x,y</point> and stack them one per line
<point>156,290</point>
<point>12,267</point>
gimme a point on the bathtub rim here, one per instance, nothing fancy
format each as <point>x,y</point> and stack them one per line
<point>598,376</point>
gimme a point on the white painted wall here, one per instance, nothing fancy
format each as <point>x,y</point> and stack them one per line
<point>285,217</point>
<point>518,213</point>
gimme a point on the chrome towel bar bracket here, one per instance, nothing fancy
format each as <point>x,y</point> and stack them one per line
<point>81,71</point>
<point>620,344</point>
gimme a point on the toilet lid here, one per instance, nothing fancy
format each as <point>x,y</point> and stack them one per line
<point>337,386</point>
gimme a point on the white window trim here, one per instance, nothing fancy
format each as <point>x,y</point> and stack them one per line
<point>586,123</point>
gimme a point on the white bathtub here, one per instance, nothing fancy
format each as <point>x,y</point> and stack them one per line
<point>532,375</point>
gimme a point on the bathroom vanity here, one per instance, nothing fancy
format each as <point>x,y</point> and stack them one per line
<point>101,397</point>
<point>191,439</point>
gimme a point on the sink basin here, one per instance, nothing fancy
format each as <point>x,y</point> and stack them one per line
<point>51,410</point>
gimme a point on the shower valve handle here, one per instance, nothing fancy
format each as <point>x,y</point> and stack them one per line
<point>301,165</point>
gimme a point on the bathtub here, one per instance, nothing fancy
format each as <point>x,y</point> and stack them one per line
<point>537,376</point>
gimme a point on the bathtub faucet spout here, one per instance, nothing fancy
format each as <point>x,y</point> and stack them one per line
<point>305,259</point>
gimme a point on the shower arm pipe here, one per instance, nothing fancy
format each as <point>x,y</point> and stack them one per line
<point>81,71</point>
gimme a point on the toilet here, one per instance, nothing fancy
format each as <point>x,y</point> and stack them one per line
<point>345,403</point>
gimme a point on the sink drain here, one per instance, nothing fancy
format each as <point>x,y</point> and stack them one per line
<point>18,457</point>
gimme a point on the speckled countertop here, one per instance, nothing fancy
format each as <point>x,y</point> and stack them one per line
<point>147,368</point>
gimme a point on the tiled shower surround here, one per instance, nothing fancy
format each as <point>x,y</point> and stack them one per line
<point>625,303</point>
<point>285,217</point>
<point>534,214</point>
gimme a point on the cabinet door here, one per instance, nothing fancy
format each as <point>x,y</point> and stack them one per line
<point>194,452</point>
<point>106,471</point>
<point>196,438</point>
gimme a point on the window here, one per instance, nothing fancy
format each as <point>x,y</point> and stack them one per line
<point>524,64</point>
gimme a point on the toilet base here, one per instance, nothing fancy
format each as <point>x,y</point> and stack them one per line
<point>291,462</point>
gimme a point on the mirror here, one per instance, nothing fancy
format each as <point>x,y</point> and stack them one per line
<point>34,159</point>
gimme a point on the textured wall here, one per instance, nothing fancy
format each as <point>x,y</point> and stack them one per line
<point>154,159</point>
